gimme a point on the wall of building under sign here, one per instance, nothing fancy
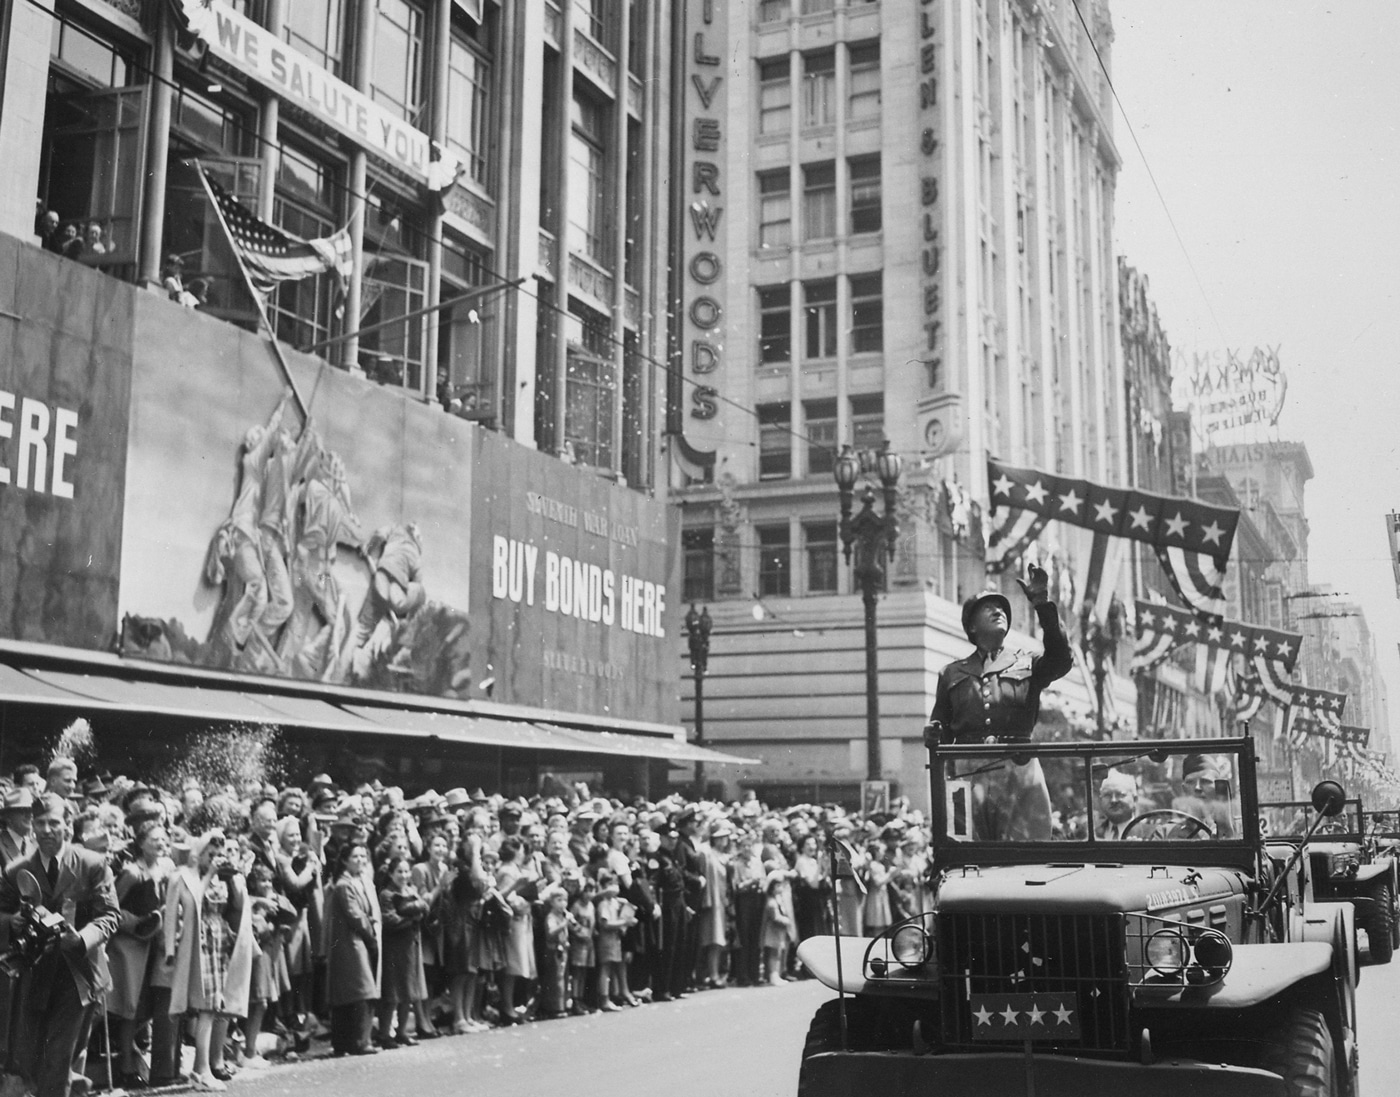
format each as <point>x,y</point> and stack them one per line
<point>65,374</point>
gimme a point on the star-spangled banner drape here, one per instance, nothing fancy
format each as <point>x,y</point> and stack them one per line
<point>1160,628</point>
<point>1192,539</point>
<point>1312,712</point>
<point>271,256</point>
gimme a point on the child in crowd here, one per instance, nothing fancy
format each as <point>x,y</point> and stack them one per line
<point>554,955</point>
<point>609,916</point>
<point>581,952</point>
<point>270,980</point>
<point>779,930</point>
<point>402,984</point>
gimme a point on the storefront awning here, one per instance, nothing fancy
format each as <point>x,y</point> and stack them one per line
<point>646,746</point>
<point>119,694</point>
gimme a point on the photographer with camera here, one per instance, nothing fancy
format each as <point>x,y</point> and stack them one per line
<point>57,990</point>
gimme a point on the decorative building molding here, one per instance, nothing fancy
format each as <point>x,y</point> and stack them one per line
<point>729,579</point>
<point>595,60</point>
<point>598,284</point>
<point>474,209</point>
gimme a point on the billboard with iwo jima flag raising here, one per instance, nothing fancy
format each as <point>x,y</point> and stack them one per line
<point>374,542</point>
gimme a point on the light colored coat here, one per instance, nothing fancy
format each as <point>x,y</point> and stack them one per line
<point>184,897</point>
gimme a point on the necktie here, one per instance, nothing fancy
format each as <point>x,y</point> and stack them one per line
<point>52,873</point>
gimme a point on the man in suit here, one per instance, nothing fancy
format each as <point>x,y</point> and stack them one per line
<point>1118,798</point>
<point>57,994</point>
<point>16,825</point>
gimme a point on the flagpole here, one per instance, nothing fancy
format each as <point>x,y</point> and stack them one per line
<point>257,298</point>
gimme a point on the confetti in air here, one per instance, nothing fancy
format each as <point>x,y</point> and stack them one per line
<point>237,756</point>
<point>74,741</point>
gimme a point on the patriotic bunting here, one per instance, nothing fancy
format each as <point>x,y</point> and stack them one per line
<point>1192,539</point>
<point>1161,628</point>
<point>271,256</point>
<point>1009,539</point>
<point>1312,712</point>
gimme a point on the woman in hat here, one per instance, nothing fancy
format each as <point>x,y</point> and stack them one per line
<point>811,890</point>
<point>715,913</point>
<point>209,942</point>
<point>131,958</point>
<point>353,940</point>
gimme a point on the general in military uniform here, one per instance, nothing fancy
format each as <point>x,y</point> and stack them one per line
<point>993,695</point>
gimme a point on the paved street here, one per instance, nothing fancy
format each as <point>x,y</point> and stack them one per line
<point>740,1041</point>
<point>730,1042</point>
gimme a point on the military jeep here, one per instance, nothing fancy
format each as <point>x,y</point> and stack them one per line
<point>1166,953</point>
<point>1347,864</point>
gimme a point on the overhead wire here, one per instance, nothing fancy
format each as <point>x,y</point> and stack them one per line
<point>1147,166</point>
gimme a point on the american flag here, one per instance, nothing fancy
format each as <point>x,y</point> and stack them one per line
<point>271,256</point>
<point>1192,539</point>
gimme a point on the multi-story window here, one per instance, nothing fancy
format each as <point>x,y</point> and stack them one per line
<point>469,104</point>
<point>590,388</point>
<point>867,313</point>
<point>818,89</point>
<point>868,421</point>
<point>305,204</point>
<point>819,201</point>
<point>815,7</point>
<point>397,82</point>
<point>820,432</point>
<point>775,324</point>
<point>774,561</point>
<point>588,177</point>
<point>865,195</point>
<point>598,19</point>
<point>819,543</point>
<point>774,209</point>
<point>863,89</point>
<point>819,313</point>
<point>316,28</point>
<point>774,11</point>
<point>774,97</point>
<point>774,441</point>
<point>698,548</point>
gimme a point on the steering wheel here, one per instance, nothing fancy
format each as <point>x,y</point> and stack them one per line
<point>1200,825</point>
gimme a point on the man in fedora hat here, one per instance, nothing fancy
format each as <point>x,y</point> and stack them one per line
<point>994,693</point>
<point>16,825</point>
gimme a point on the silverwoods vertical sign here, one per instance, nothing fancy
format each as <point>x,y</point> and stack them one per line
<point>704,277</point>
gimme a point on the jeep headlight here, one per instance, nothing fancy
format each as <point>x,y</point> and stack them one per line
<point>1345,863</point>
<point>1211,957</point>
<point>1166,953</point>
<point>910,946</point>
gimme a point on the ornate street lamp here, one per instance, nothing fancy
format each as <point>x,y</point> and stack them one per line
<point>697,634</point>
<point>870,538</point>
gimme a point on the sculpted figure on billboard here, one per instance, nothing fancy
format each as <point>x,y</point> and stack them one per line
<point>287,599</point>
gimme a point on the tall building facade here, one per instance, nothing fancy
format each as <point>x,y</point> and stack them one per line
<point>913,205</point>
<point>423,528</point>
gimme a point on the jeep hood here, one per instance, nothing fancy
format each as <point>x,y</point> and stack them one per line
<point>1084,888</point>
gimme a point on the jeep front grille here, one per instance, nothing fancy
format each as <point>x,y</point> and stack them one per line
<point>1080,955</point>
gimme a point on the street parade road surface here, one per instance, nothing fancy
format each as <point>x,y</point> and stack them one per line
<point>737,1041</point>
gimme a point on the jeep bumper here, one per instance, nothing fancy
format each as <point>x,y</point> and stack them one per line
<point>1006,1074</point>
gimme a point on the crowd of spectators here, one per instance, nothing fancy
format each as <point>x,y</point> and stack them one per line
<point>258,920</point>
<point>84,241</point>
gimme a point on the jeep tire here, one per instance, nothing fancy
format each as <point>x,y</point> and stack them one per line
<point>1305,1056</point>
<point>1380,922</point>
<point>824,1034</point>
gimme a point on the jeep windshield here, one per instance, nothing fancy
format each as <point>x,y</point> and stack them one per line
<point>1292,819</point>
<point>1096,801</point>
